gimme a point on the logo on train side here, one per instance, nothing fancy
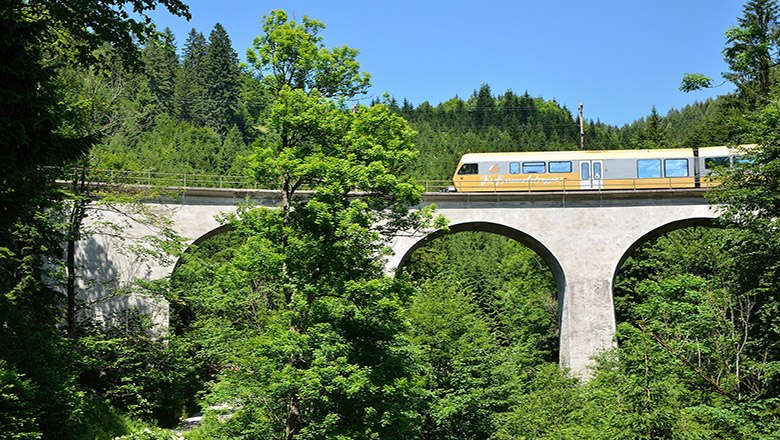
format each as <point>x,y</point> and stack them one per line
<point>500,180</point>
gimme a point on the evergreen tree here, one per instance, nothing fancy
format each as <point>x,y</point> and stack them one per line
<point>651,132</point>
<point>232,147</point>
<point>161,66</point>
<point>222,77</point>
<point>191,92</point>
<point>484,107</point>
<point>510,112</point>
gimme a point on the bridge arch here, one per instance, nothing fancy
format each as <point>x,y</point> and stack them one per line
<point>707,222</point>
<point>219,230</point>
<point>500,229</point>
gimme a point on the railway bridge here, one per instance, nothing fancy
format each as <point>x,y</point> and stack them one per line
<point>584,237</point>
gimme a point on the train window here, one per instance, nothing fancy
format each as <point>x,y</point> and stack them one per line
<point>585,170</point>
<point>468,168</point>
<point>711,163</point>
<point>514,167</point>
<point>648,168</point>
<point>676,167</point>
<point>533,167</point>
<point>560,167</point>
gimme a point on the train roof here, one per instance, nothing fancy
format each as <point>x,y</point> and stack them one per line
<point>598,154</point>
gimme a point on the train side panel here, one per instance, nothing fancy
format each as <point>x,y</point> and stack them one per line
<point>589,170</point>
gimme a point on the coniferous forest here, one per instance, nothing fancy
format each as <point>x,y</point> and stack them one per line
<point>286,326</point>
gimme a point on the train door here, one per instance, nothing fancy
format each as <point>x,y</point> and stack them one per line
<point>591,174</point>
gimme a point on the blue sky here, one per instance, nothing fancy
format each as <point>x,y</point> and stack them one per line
<point>618,57</point>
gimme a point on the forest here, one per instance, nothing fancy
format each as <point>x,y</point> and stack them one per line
<point>286,326</point>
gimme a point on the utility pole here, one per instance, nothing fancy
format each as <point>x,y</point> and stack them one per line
<point>582,130</point>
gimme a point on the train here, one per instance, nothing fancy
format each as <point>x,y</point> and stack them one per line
<point>594,170</point>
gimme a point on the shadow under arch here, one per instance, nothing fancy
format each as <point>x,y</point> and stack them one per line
<point>212,233</point>
<point>514,234</point>
<point>706,222</point>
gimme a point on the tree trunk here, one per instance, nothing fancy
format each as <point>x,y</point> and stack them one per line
<point>293,418</point>
<point>76,217</point>
<point>70,264</point>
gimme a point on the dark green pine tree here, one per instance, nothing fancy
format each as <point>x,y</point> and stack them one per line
<point>223,82</point>
<point>510,111</point>
<point>484,107</point>
<point>190,92</point>
<point>407,107</point>
<point>655,130</point>
<point>162,66</point>
<point>528,108</point>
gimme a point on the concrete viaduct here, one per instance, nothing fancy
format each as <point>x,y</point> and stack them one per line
<point>583,236</point>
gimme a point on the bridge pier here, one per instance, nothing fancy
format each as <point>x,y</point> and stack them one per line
<point>586,315</point>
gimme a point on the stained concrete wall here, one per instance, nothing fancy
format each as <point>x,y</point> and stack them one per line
<point>583,237</point>
<point>111,259</point>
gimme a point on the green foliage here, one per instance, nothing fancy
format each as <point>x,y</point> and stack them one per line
<point>43,124</point>
<point>304,329</point>
<point>291,54</point>
<point>144,377</point>
<point>460,358</point>
<point>482,321</point>
<point>17,417</point>
<point>695,81</point>
<point>173,146</point>
<point>35,39</point>
<point>149,434</point>
<point>752,52</point>
<point>355,376</point>
<point>749,192</point>
<point>550,408</point>
<point>698,251</point>
<point>353,384</point>
<point>753,49</point>
<point>672,376</point>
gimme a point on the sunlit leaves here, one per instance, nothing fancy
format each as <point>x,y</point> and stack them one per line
<point>695,81</point>
<point>292,54</point>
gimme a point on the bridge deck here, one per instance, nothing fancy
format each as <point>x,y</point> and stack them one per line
<point>431,197</point>
<point>537,199</point>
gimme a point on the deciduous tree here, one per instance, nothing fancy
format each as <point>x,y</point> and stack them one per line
<point>292,54</point>
<point>325,333</point>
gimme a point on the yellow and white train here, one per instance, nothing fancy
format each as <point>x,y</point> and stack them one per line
<point>592,170</point>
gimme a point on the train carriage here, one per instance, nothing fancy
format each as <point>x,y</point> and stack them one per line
<point>591,170</point>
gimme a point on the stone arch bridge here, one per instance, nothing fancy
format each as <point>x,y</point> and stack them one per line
<point>583,236</point>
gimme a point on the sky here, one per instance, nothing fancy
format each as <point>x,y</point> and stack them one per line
<point>619,58</point>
